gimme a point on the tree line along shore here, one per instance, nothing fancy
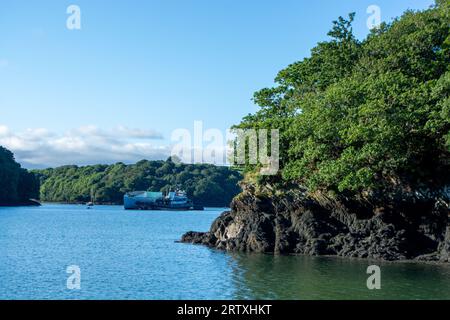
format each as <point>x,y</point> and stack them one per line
<point>205,184</point>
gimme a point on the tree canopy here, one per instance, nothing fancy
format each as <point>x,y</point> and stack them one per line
<point>17,185</point>
<point>368,115</point>
<point>206,184</point>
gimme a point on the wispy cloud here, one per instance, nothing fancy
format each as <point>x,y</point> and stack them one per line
<point>39,147</point>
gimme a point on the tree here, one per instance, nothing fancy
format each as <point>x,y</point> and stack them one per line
<point>17,185</point>
<point>360,117</point>
<point>207,185</point>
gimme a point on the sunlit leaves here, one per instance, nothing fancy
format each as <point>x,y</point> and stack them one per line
<point>356,116</point>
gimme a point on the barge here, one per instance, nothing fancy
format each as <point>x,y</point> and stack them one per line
<point>148,200</point>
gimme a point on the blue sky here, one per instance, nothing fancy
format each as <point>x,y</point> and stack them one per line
<point>137,70</point>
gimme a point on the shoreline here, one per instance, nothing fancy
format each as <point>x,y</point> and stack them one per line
<point>216,208</point>
<point>27,203</point>
<point>335,257</point>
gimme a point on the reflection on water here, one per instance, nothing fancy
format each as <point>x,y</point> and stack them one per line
<point>302,277</point>
<point>133,255</point>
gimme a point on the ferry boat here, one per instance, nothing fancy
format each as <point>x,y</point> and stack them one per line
<point>148,200</point>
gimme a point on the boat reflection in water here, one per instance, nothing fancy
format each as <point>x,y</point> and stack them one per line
<point>148,200</point>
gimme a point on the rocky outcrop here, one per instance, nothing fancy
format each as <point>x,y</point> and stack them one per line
<point>298,224</point>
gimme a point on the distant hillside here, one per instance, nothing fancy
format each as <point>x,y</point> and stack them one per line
<point>206,184</point>
<point>17,185</point>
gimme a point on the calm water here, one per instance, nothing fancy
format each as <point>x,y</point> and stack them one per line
<point>133,255</point>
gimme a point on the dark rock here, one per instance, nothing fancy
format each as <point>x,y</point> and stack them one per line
<point>297,224</point>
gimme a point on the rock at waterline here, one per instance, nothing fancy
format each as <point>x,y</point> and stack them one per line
<point>301,225</point>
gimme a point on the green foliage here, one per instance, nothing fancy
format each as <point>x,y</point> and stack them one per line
<point>365,115</point>
<point>206,184</point>
<point>16,184</point>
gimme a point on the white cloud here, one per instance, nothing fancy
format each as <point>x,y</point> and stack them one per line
<point>139,133</point>
<point>4,131</point>
<point>36,148</point>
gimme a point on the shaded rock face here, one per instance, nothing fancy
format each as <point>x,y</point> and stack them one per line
<point>444,247</point>
<point>301,225</point>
